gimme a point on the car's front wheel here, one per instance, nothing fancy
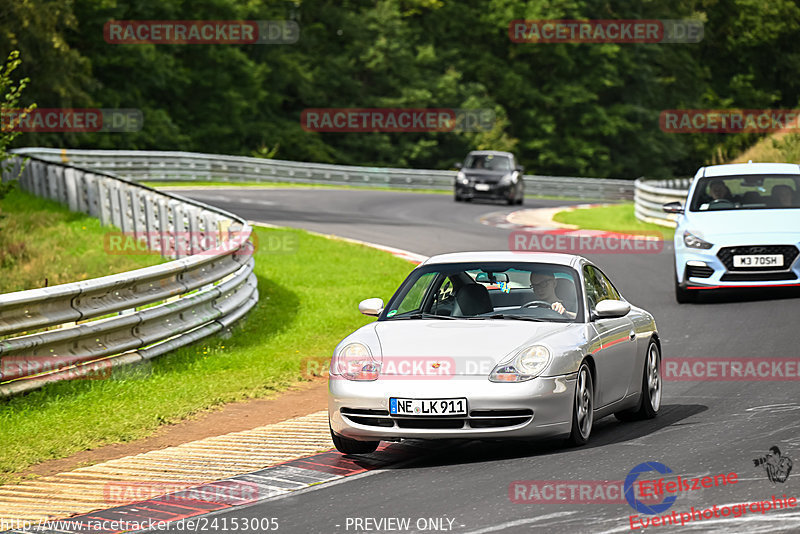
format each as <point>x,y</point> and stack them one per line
<point>583,409</point>
<point>352,446</point>
<point>683,295</point>
<point>650,400</point>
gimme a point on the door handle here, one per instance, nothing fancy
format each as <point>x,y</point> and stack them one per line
<point>632,335</point>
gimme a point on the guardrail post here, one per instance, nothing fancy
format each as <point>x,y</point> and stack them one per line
<point>71,189</point>
<point>165,244</point>
<point>104,199</point>
<point>116,203</point>
<point>178,230</point>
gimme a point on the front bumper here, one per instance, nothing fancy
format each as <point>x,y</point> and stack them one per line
<point>703,269</point>
<point>540,407</point>
<point>498,190</point>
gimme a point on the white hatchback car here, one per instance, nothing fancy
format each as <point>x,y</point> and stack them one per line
<point>740,227</point>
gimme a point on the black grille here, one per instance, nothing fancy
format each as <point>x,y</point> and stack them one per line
<point>501,413</point>
<point>477,419</point>
<point>362,417</point>
<point>430,422</point>
<point>757,277</point>
<point>497,423</point>
<point>693,271</point>
<point>361,411</point>
<point>789,253</point>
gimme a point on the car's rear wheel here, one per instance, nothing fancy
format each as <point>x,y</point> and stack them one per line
<point>352,446</point>
<point>650,399</point>
<point>583,409</point>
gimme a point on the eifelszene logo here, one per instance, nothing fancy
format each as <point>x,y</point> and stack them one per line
<point>636,504</point>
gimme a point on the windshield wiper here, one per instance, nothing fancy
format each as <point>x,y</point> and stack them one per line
<point>519,318</point>
<point>424,315</point>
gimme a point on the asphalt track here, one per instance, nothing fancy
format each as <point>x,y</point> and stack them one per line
<point>704,428</point>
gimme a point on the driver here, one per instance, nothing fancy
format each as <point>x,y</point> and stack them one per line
<point>544,288</point>
<point>719,191</point>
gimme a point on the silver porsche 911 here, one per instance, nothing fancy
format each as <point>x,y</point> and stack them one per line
<point>486,345</point>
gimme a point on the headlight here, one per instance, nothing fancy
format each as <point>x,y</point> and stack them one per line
<point>507,179</point>
<point>526,364</point>
<point>354,362</point>
<point>462,179</point>
<point>692,241</point>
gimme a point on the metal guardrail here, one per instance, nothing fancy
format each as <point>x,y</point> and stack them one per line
<point>85,327</point>
<point>651,195</point>
<point>188,166</point>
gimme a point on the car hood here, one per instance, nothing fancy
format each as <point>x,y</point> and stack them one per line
<point>707,225</point>
<point>470,346</point>
<point>485,175</point>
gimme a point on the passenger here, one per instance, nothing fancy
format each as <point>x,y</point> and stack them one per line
<point>544,288</point>
<point>782,196</point>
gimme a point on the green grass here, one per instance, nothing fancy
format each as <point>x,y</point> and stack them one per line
<point>42,240</point>
<point>308,303</point>
<point>616,218</point>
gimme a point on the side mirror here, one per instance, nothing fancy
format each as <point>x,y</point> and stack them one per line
<point>372,307</point>
<point>672,207</point>
<point>520,168</point>
<point>457,165</point>
<point>610,309</point>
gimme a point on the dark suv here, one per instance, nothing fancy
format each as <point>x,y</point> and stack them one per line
<point>490,174</point>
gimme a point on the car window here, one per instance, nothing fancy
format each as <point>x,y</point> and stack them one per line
<point>413,299</point>
<point>746,192</point>
<point>488,162</point>
<point>477,290</point>
<point>598,287</point>
<point>610,290</point>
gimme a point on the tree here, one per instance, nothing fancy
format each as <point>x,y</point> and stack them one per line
<point>10,115</point>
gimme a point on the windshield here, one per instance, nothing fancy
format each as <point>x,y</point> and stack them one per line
<point>488,290</point>
<point>750,192</point>
<point>488,162</point>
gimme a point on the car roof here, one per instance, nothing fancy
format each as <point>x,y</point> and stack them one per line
<point>570,260</point>
<point>741,169</point>
<point>490,153</point>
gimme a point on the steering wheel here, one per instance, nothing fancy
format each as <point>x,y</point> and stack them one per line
<point>720,201</point>
<point>537,304</point>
